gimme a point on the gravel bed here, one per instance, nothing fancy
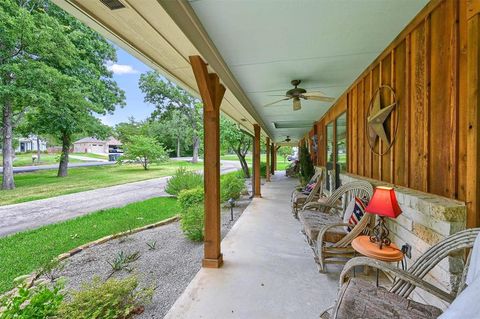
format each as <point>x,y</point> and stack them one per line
<point>169,267</point>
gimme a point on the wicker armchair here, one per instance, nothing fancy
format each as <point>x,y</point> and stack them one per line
<point>299,199</point>
<point>360,299</point>
<point>324,227</point>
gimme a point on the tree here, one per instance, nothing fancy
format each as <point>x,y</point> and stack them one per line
<point>285,151</point>
<point>166,96</point>
<point>145,149</point>
<point>29,41</point>
<point>81,91</point>
<point>306,165</point>
<point>236,140</point>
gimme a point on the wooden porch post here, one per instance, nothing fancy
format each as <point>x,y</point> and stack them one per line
<point>212,93</point>
<point>272,158</point>
<point>267,144</point>
<point>256,160</point>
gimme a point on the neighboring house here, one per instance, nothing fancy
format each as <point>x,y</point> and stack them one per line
<point>94,145</point>
<point>29,144</point>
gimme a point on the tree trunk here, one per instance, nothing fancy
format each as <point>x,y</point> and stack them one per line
<point>145,163</point>
<point>244,164</point>
<point>178,146</point>
<point>7,148</point>
<point>196,146</point>
<point>38,150</point>
<point>63,167</point>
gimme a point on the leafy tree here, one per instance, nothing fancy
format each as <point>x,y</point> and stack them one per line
<point>306,165</point>
<point>30,42</point>
<point>125,131</point>
<point>236,140</point>
<point>145,149</point>
<point>83,89</point>
<point>284,151</point>
<point>166,97</point>
<point>174,126</point>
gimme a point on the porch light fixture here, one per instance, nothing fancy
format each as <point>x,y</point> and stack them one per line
<point>384,204</point>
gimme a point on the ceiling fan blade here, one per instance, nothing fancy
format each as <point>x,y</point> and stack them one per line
<point>297,105</point>
<point>318,98</point>
<point>284,99</point>
<point>314,93</point>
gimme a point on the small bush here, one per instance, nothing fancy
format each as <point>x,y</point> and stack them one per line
<point>192,222</point>
<point>190,197</point>
<point>112,299</point>
<point>38,302</point>
<point>231,185</point>
<point>182,180</point>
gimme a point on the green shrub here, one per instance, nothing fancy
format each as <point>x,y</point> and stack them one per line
<point>231,185</point>
<point>190,197</point>
<point>192,222</point>
<point>112,299</point>
<point>306,165</point>
<point>183,179</point>
<point>38,302</point>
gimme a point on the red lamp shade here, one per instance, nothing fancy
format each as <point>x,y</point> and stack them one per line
<point>384,203</point>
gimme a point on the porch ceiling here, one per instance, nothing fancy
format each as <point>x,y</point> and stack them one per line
<point>324,43</point>
<point>256,47</point>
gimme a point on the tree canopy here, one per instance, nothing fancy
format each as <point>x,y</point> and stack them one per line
<point>234,139</point>
<point>178,110</point>
<point>144,149</point>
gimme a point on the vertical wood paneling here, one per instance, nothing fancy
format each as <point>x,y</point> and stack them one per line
<point>354,135</point>
<point>418,109</point>
<point>376,163</point>
<point>368,152</point>
<point>360,129</point>
<point>400,145</point>
<point>437,106</point>
<point>386,79</point>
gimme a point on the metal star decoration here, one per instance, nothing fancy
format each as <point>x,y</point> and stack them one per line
<point>376,120</point>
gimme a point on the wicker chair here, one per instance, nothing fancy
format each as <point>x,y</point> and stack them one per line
<point>361,299</point>
<point>299,199</point>
<point>324,226</point>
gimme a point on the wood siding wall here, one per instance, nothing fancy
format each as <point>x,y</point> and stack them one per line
<point>427,66</point>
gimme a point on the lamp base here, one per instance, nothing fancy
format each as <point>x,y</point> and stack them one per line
<point>380,234</point>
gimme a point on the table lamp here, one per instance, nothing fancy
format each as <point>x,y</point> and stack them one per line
<point>384,204</point>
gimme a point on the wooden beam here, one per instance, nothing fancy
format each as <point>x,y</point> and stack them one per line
<point>256,160</point>
<point>267,144</point>
<point>272,159</point>
<point>473,116</point>
<point>212,93</point>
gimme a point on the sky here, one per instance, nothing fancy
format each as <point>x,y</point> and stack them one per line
<point>127,71</point>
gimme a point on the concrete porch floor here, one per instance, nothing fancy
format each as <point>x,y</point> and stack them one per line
<point>269,271</point>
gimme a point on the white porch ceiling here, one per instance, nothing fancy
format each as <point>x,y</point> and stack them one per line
<point>324,43</point>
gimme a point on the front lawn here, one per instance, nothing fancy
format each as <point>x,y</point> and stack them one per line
<point>25,252</point>
<point>45,184</point>
<point>25,159</point>
<point>91,155</point>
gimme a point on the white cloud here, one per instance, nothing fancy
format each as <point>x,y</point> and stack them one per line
<point>121,68</point>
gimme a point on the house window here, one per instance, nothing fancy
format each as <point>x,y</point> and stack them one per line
<point>341,142</point>
<point>336,150</point>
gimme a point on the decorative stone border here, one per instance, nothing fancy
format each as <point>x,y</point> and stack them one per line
<point>31,278</point>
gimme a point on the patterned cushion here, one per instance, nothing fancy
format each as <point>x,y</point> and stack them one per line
<point>313,221</point>
<point>359,299</point>
<point>354,212</point>
<point>308,189</point>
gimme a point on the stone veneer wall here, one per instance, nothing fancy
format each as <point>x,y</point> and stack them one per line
<point>425,220</point>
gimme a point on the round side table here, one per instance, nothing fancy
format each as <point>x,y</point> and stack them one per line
<point>364,246</point>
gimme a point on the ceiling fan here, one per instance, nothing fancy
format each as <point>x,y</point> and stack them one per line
<point>288,139</point>
<point>298,93</point>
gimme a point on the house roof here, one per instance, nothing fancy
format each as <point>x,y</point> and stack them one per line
<point>88,140</point>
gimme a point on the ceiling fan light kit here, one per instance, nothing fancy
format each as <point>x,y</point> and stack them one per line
<point>296,93</point>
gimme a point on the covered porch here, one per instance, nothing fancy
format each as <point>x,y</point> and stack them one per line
<point>268,271</point>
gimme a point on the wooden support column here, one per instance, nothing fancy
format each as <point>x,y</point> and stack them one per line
<point>256,160</point>
<point>272,159</point>
<point>212,93</point>
<point>267,160</point>
<point>473,115</point>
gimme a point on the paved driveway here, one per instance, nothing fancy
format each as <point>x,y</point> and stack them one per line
<point>29,215</point>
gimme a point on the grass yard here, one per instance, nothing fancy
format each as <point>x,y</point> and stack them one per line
<point>281,164</point>
<point>45,184</point>
<point>25,252</point>
<point>25,159</point>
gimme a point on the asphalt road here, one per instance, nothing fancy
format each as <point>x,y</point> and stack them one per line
<point>30,215</point>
